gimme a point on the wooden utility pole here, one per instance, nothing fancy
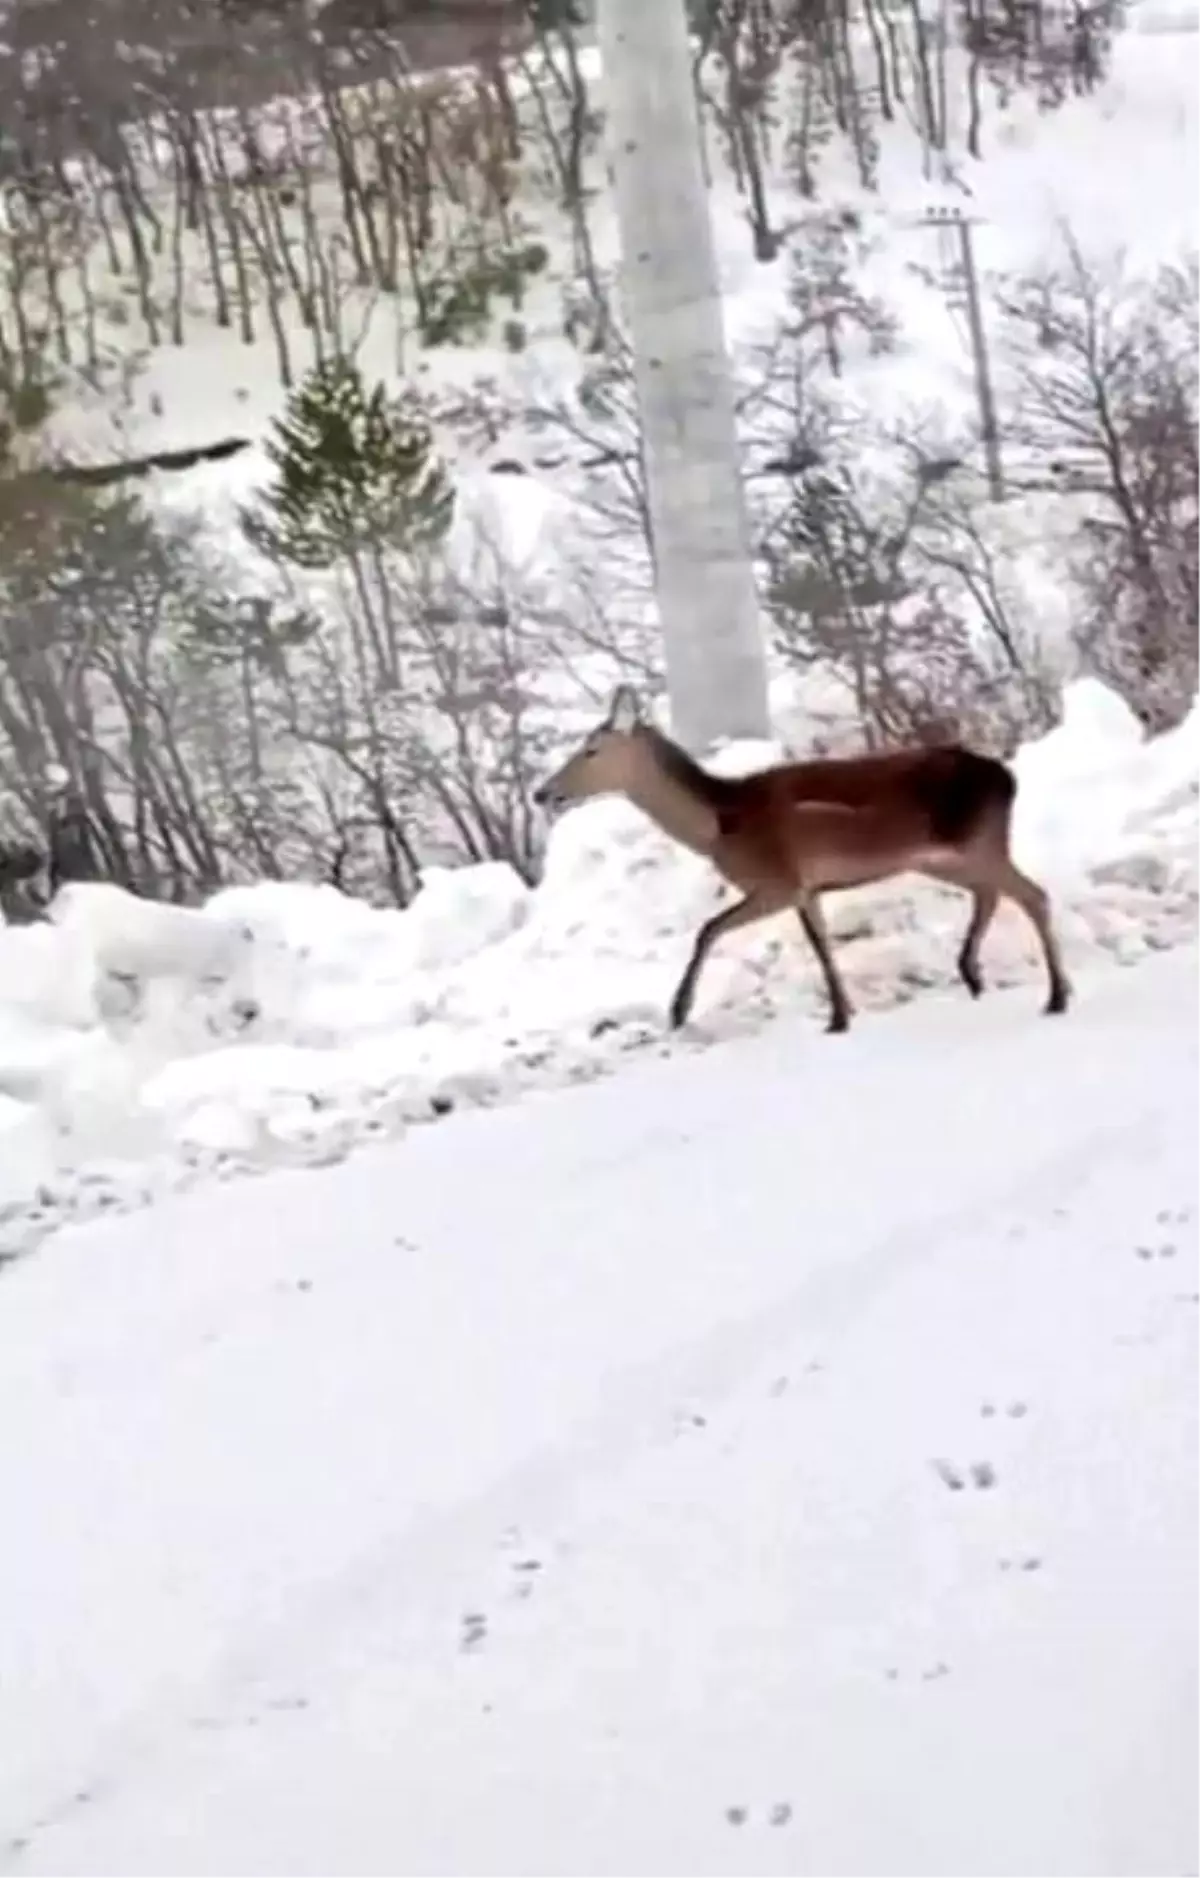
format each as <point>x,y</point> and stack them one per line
<point>670,297</point>
<point>989,424</point>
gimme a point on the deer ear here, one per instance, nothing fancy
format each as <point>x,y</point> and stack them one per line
<point>625,711</point>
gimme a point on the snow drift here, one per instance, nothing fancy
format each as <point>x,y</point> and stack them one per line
<point>141,1043</point>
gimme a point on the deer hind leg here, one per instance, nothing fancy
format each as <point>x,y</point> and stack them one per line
<point>757,905</point>
<point>812,918</point>
<point>1034,902</point>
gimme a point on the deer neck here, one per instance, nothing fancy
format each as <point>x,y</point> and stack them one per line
<point>678,811</point>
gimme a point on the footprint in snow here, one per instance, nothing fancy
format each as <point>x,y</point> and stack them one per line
<point>474,1630</point>
<point>1173,1217</point>
<point>980,1474</point>
<point>522,1564</point>
<point>525,1571</point>
<point>778,1815</point>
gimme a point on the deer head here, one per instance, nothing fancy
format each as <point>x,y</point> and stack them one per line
<point>608,760</point>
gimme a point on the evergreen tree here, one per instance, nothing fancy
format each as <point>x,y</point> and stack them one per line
<point>353,469</point>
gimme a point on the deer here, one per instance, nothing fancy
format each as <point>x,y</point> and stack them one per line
<point>784,836</point>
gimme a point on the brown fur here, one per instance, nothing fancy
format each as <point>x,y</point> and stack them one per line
<point>786,835</point>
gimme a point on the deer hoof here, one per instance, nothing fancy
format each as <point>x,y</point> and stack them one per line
<point>839,1022</point>
<point>1059,1001</point>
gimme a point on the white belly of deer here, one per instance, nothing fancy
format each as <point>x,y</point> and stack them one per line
<point>836,871</point>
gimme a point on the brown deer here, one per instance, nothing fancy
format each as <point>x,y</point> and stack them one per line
<point>784,836</point>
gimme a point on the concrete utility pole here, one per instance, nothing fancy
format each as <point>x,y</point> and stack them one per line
<point>704,573</point>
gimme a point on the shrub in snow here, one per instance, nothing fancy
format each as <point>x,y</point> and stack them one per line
<point>456,306</point>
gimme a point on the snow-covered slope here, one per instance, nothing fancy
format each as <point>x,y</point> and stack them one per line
<point>1108,166</point>
<point>779,1460</point>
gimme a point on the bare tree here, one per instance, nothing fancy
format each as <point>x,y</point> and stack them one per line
<point>884,586</point>
<point>1108,411</point>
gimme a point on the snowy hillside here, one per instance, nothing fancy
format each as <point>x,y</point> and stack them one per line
<point>776,1460</point>
<point>1039,174</point>
<point>499,398</point>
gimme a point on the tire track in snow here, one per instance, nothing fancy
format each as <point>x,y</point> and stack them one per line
<point>439,1565</point>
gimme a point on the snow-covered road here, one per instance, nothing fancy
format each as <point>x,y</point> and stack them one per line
<point>780,1459</point>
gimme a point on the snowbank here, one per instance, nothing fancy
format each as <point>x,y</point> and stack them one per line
<point>141,1044</point>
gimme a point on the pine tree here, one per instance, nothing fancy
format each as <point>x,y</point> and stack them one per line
<point>353,469</point>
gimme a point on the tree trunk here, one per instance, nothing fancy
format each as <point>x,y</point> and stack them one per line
<point>708,602</point>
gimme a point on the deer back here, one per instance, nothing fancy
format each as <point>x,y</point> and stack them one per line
<point>952,792</point>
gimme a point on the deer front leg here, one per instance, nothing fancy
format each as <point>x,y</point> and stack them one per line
<point>758,905</point>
